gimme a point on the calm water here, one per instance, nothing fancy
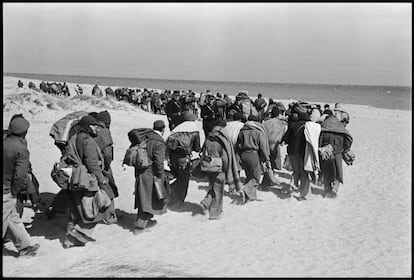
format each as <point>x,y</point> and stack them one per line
<point>390,97</point>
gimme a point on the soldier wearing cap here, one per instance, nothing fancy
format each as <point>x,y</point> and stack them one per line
<point>16,168</point>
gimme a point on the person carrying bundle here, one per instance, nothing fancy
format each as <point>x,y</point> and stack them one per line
<point>184,139</point>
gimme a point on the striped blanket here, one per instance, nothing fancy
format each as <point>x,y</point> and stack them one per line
<point>232,130</point>
<point>61,129</point>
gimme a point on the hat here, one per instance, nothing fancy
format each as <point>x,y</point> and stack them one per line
<point>104,117</point>
<point>275,112</point>
<point>339,107</point>
<point>220,122</point>
<point>88,120</point>
<point>188,116</point>
<point>18,125</point>
<point>159,125</point>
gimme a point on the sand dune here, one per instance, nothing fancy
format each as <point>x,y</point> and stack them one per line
<point>364,232</point>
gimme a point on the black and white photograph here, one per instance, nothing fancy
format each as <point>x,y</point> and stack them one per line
<point>198,140</point>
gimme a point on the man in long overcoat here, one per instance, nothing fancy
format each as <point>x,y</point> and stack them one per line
<point>146,199</point>
<point>79,227</point>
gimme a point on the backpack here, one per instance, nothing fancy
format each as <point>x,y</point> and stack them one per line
<point>180,142</point>
<point>137,156</point>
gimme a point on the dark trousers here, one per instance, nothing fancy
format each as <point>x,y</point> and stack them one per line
<point>251,165</point>
<point>300,175</point>
<point>142,219</point>
<point>213,201</point>
<point>180,168</point>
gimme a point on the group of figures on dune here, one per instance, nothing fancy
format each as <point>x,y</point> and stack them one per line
<point>241,135</point>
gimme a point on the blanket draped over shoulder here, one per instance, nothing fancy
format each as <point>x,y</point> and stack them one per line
<point>275,129</point>
<point>260,127</point>
<point>232,129</point>
<point>334,126</point>
<point>232,172</point>
<point>190,126</point>
<point>60,130</point>
<point>311,159</point>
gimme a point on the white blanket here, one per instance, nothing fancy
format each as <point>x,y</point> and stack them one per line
<point>189,126</point>
<point>311,160</point>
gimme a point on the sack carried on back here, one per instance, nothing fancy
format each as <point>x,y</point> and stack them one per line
<point>137,156</point>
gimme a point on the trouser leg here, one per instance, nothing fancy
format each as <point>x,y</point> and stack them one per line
<point>181,170</point>
<point>13,223</point>
<point>216,207</point>
<point>251,165</point>
<point>142,219</point>
<point>304,184</point>
<point>181,187</point>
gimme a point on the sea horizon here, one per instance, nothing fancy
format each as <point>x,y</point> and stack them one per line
<point>213,81</point>
<point>382,96</point>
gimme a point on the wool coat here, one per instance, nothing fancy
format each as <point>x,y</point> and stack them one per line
<point>145,196</point>
<point>16,164</point>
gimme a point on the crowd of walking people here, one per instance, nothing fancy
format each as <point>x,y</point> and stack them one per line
<point>240,135</point>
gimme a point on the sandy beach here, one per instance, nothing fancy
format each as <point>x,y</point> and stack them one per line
<point>364,232</point>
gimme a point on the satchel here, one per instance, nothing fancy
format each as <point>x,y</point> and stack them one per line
<point>159,188</point>
<point>326,152</point>
<point>61,174</point>
<point>93,203</point>
<point>210,164</point>
<point>82,180</point>
<point>287,163</point>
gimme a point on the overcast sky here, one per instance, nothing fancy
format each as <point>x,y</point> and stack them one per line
<point>336,43</point>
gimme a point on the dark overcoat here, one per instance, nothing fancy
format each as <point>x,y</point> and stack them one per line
<point>16,164</point>
<point>145,196</point>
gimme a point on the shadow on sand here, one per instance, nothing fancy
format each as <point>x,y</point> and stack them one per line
<point>283,191</point>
